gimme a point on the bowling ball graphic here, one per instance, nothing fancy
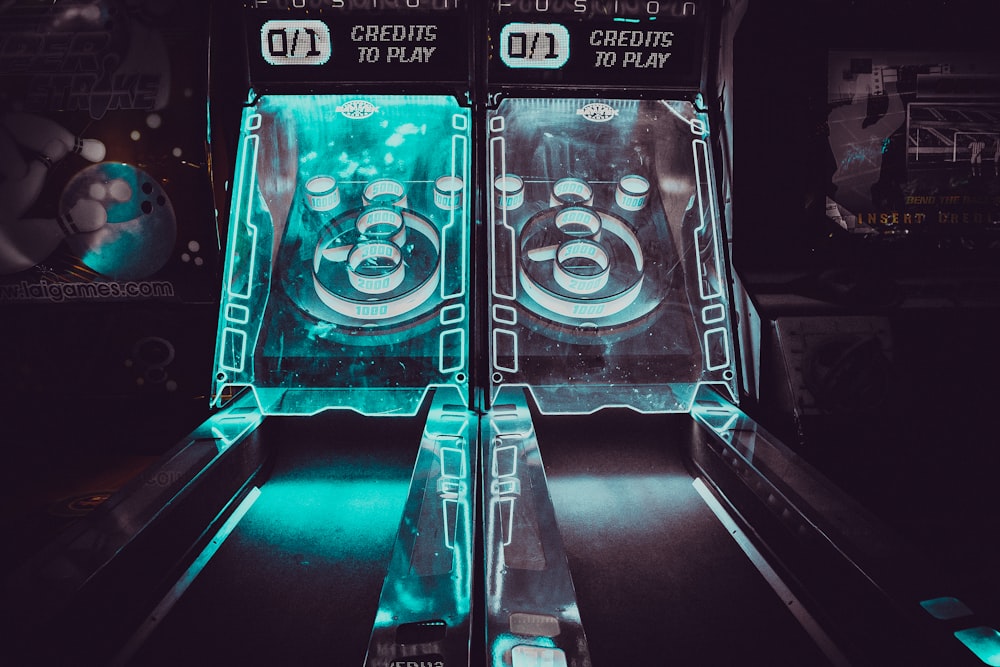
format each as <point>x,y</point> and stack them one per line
<point>142,226</point>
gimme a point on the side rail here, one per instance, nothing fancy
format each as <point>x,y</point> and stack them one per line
<point>134,538</point>
<point>873,592</point>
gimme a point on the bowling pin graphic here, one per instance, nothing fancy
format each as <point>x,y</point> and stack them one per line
<point>27,242</point>
<point>20,181</point>
<point>50,139</point>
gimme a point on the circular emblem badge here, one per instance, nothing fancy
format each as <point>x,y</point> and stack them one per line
<point>357,109</point>
<point>597,112</point>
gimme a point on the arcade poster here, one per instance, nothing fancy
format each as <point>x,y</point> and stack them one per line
<point>914,144</point>
<point>105,192</point>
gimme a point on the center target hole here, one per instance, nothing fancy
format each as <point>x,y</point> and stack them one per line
<point>583,266</point>
<point>576,229</point>
<point>376,266</point>
<point>578,222</point>
<point>381,229</point>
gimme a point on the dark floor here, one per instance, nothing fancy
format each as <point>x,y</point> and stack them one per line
<point>298,580</point>
<point>659,580</point>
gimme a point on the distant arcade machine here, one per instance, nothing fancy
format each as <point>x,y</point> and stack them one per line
<point>867,277</point>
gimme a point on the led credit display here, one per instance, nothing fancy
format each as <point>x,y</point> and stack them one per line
<point>534,45</point>
<point>358,40</point>
<point>596,42</point>
<point>295,42</point>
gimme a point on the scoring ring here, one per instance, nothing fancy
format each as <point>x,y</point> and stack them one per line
<point>382,223</point>
<point>631,192</point>
<point>322,193</point>
<point>509,191</point>
<point>572,292</point>
<point>578,222</point>
<point>581,266</point>
<point>448,192</point>
<point>385,191</point>
<point>407,290</point>
<point>375,267</point>
<point>571,191</point>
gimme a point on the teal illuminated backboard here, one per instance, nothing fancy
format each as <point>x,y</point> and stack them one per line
<point>607,283</point>
<point>347,261</point>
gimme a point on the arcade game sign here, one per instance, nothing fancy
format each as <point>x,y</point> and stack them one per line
<point>104,185</point>
<point>597,43</point>
<point>108,238</point>
<point>914,143</point>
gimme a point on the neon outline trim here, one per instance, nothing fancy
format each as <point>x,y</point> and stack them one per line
<point>513,337</point>
<point>241,198</point>
<point>708,316</point>
<point>237,314</point>
<point>725,346</point>
<point>456,139</point>
<point>499,144</point>
<point>229,336</point>
<point>707,212</point>
<point>509,314</point>
<point>451,333</point>
<point>447,318</point>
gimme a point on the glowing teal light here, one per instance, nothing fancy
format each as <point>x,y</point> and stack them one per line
<point>625,20</point>
<point>677,203</point>
<point>306,322</point>
<point>345,518</point>
<point>946,608</point>
<point>983,642</point>
<point>504,645</point>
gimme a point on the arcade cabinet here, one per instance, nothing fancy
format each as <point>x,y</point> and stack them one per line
<point>632,512</point>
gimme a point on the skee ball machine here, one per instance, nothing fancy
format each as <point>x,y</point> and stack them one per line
<point>345,292</point>
<point>347,270</point>
<point>665,525</point>
<point>606,282</point>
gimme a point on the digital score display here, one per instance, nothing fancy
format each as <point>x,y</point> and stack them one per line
<point>534,45</point>
<point>295,42</point>
<point>640,43</point>
<point>331,41</point>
